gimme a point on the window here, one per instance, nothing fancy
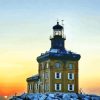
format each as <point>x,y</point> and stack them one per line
<point>57,87</point>
<point>30,86</point>
<point>57,75</point>
<point>46,87</point>
<point>70,76</point>
<point>41,87</point>
<point>57,65</point>
<point>70,66</point>
<point>46,75</point>
<point>42,65</point>
<point>70,87</point>
<point>36,86</point>
<point>42,75</point>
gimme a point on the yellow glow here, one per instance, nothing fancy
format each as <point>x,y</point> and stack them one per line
<point>5,96</point>
<point>14,69</point>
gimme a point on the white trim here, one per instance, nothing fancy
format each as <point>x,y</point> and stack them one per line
<point>72,75</point>
<point>69,87</point>
<point>59,85</point>
<point>30,86</point>
<point>47,65</point>
<point>57,75</point>
<point>36,86</point>
<point>73,87</point>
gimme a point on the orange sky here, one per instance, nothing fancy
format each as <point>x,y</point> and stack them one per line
<point>14,78</point>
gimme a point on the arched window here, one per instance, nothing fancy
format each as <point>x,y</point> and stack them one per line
<point>57,65</point>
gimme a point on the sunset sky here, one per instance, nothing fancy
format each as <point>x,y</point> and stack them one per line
<point>25,27</point>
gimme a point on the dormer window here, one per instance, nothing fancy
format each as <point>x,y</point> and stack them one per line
<point>70,66</point>
<point>57,65</point>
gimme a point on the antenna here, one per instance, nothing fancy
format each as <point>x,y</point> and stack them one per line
<point>63,26</point>
<point>62,22</point>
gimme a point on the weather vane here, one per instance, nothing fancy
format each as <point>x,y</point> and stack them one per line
<point>62,22</point>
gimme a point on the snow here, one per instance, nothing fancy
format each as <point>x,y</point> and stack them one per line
<point>55,96</point>
<point>54,50</point>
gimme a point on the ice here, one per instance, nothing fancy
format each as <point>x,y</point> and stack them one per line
<point>66,96</point>
<point>43,97</point>
<point>18,99</point>
<point>51,95</point>
<point>55,96</point>
<point>30,97</point>
<point>74,95</point>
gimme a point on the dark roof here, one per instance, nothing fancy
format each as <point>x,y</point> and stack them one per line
<point>33,78</point>
<point>57,27</point>
<point>59,54</point>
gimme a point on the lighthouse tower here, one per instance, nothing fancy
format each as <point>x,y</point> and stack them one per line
<point>58,67</point>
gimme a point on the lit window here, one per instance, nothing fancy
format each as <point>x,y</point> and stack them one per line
<point>70,87</point>
<point>70,76</point>
<point>57,75</point>
<point>57,87</point>
<point>58,65</point>
<point>70,66</point>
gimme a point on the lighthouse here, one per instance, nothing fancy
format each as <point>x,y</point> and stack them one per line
<point>57,67</point>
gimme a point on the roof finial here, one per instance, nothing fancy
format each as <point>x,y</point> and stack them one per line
<point>57,21</point>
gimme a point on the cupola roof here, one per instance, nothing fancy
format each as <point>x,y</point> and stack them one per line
<point>57,27</point>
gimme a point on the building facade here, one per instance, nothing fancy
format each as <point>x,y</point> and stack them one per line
<point>57,68</point>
